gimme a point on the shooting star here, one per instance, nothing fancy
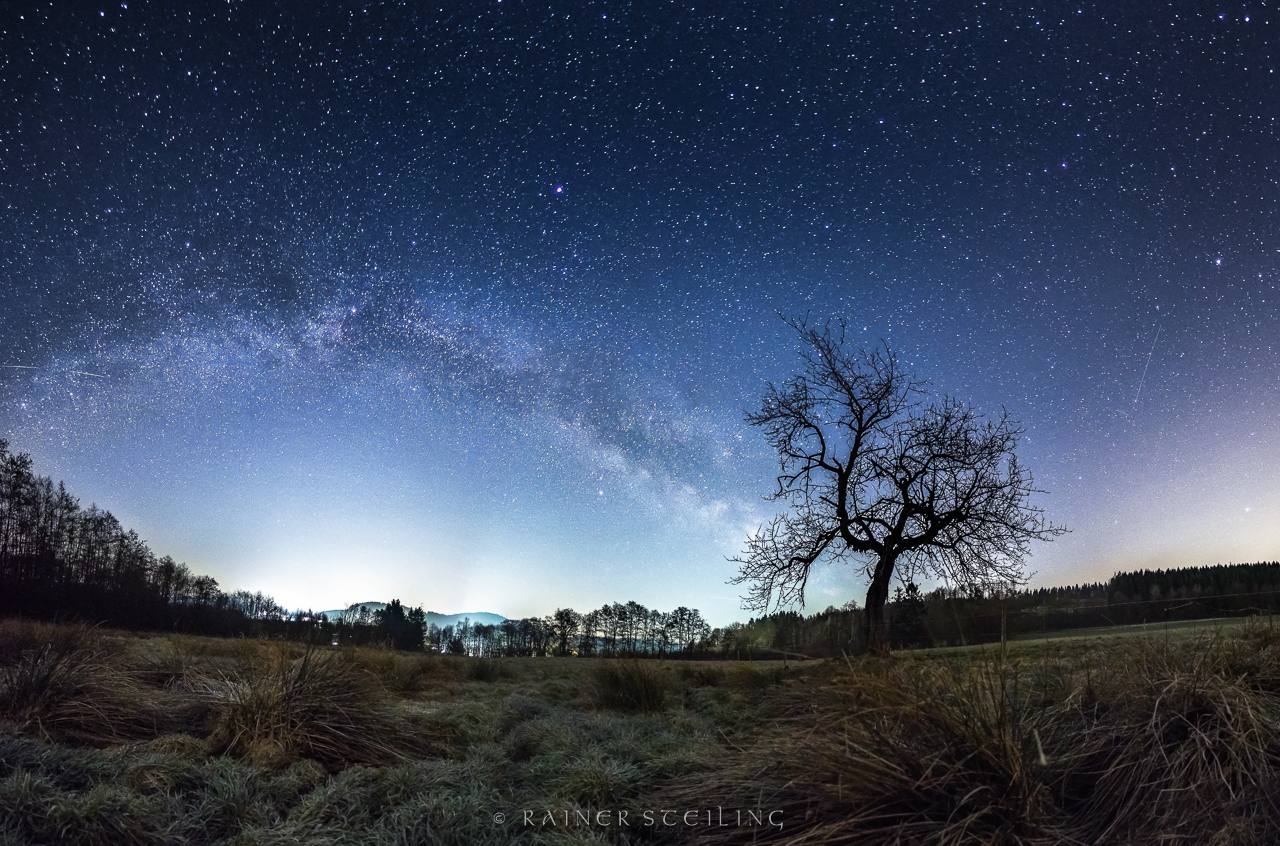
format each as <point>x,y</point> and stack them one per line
<point>33,367</point>
<point>1145,366</point>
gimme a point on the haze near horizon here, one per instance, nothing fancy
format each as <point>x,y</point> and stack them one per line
<point>461,305</point>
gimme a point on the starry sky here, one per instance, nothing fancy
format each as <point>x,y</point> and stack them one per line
<point>461,303</point>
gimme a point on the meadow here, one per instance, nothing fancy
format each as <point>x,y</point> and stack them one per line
<point>117,738</point>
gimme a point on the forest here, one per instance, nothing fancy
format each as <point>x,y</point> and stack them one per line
<point>948,617</point>
<point>62,562</point>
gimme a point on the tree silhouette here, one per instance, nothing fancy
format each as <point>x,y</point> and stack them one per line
<point>874,471</point>
<point>400,627</point>
<point>565,623</point>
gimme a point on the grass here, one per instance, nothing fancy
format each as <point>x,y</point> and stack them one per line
<point>111,738</point>
<point>64,683</point>
<point>1152,629</point>
<point>321,705</point>
<point>1193,746</point>
<point>631,685</point>
<point>1153,740</point>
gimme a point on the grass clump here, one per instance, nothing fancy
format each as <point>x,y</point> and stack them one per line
<point>1184,743</point>
<point>757,676</point>
<point>319,706</point>
<point>630,685</point>
<point>398,672</point>
<point>485,669</point>
<point>67,687</point>
<point>929,754</point>
<point>701,674</point>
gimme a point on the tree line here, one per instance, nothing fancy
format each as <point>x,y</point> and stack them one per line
<point>59,561</point>
<point>616,629</point>
<point>951,617</point>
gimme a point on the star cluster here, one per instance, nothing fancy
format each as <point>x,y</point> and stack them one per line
<point>462,302</point>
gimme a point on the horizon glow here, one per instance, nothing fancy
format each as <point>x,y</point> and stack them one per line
<point>463,308</point>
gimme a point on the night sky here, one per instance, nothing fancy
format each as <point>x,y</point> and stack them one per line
<point>461,303</point>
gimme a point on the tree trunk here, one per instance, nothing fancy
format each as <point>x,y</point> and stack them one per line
<point>874,624</point>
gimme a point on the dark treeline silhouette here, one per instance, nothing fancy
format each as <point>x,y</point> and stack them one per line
<point>613,630</point>
<point>59,561</point>
<point>944,617</point>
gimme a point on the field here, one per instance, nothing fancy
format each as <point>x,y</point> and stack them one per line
<point>114,738</point>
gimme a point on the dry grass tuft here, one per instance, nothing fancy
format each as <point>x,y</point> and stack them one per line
<point>1185,740</point>
<point>399,672</point>
<point>20,637</point>
<point>61,683</point>
<point>701,674</point>
<point>932,755</point>
<point>1188,744</point>
<point>320,706</point>
<point>756,675</point>
<point>630,685</point>
<point>484,669</point>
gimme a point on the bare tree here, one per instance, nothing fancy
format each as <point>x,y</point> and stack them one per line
<point>875,472</point>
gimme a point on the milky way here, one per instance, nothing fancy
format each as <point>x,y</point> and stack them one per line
<point>462,303</point>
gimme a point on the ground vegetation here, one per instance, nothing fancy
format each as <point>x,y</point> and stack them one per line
<point>111,737</point>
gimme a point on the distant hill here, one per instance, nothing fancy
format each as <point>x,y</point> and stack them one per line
<point>442,620</point>
<point>338,612</point>
<point>433,617</point>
